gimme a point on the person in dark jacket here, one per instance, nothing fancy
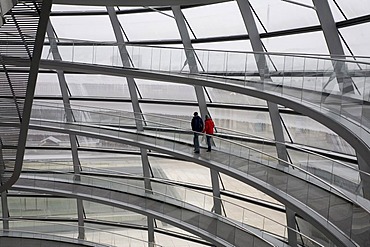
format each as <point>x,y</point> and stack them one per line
<point>196,126</point>
<point>208,129</point>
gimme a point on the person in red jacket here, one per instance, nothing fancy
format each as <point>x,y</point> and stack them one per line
<point>208,129</point>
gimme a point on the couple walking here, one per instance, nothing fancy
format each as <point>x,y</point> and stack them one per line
<point>197,126</point>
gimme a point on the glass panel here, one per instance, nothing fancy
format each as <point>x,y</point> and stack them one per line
<point>222,96</point>
<point>358,46</point>
<point>178,170</point>
<point>115,235</point>
<point>115,163</point>
<point>298,43</point>
<point>277,15</point>
<point>45,138</point>
<point>97,86</point>
<point>309,230</point>
<point>96,211</point>
<point>251,122</point>
<point>172,241</point>
<point>360,226</point>
<point>225,16</point>
<point>38,206</point>
<point>71,27</point>
<point>307,131</point>
<point>235,186</point>
<point>243,45</point>
<point>47,84</point>
<point>115,108</point>
<point>79,8</point>
<point>354,8</point>
<point>40,159</point>
<point>341,213</point>
<point>160,26</point>
<point>273,221</point>
<point>181,112</point>
<point>164,90</point>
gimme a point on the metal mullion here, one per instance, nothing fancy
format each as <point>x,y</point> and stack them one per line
<point>250,24</point>
<point>36,56</point>
<point>185,38</point>
<point>139,121</point>
<point>70,118</point>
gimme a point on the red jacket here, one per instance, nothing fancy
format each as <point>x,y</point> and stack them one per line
<point>208,126</point>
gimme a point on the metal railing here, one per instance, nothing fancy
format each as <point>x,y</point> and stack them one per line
<point>265,167</point>
<point>245,216</point>
<point>184,209</point>
<point>332,171</point>
<point>337,85</point>
<point>68,232</point>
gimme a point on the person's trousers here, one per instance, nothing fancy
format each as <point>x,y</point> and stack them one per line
<point>196,142</point>
<point>209,142</point>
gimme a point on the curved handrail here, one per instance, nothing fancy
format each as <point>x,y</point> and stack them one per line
<point>166,196</point>
<point>260,153</point>
<point>192,196</point>
<point>179,124</point>
<point>272,157</point>
<point>53,165</point>
<point>68,41</point>
<point>230,149</point>
<point>335,73</point>
<point>97,237</point>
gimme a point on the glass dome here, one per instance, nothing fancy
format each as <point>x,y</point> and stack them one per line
<point>107,102</point>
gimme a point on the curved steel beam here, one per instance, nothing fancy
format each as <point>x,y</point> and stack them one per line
<point>31,85</point>
<point>357,138</point>
<point>209,226</point>
<point>298,207</point>
<point>301,208</point>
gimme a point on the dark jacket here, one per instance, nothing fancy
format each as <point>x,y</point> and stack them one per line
<point>197,124</point>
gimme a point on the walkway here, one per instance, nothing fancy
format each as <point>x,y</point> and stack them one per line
<point>290,186</point>
<point>212,227</point>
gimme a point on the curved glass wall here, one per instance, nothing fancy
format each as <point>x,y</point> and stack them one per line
<point>284,26</point>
